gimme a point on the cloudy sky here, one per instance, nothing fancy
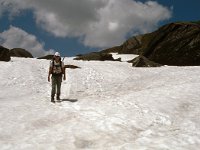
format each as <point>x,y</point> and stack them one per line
<point>79,26</point>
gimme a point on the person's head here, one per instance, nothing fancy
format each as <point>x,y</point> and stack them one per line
<point>57,55</point>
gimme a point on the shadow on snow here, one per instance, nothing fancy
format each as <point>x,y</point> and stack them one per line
<point>68,100</point>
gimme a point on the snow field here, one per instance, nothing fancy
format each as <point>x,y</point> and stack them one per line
<point>117,107</point>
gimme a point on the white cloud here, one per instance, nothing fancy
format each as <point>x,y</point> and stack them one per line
<point>18,38</point>
<point>113,26</point>
<point>98,23</point>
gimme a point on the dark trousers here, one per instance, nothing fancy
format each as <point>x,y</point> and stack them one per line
<point>56,85</point>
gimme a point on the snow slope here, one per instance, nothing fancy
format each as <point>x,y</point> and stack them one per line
<point>110,106</point>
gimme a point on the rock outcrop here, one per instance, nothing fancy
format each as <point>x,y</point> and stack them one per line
<point>48,57</point>
<point>115,49</point>
<point>175,44</point>
<point>4,54</point>
<point>19,52</point>
<point>95,56</point>
<point>134,45</point>
<point>142,61</point>
<point>71,66</point>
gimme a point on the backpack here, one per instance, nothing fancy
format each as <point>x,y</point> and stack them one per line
<point>56,67</point>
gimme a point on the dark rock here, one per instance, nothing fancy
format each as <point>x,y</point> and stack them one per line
<point>115,49</point>
<point>71,66</point>
<point>95,56</point>
<point>79,55</point>
<point>134,45</point>
<point>175,44</point>
<point>142,61</point>
<point>4,54</point>
<point>19,52</point>
<point>48,57</point>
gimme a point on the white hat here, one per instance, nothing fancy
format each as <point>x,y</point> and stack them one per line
<point>57,54</point>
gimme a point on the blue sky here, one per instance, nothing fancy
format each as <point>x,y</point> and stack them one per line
<point>74,27</point>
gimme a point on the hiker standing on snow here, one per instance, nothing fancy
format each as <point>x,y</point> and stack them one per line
<point>56,71</point>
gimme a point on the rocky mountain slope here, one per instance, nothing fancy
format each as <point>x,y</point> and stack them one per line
<point>19,52</point>
<point>4,54</point>
<point>172,44</point>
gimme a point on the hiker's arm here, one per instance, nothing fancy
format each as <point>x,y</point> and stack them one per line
<point>50,68</point>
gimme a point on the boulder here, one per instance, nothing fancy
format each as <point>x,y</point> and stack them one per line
<point>4,54</point>
<point>19,52</point>
<point>71,66</point>
<point>142,61</point>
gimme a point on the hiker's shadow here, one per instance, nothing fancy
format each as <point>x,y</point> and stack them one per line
<point>69,100</point>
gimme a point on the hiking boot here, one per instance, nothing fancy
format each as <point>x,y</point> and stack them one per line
<point>52,100</point>
<point>58,97</point>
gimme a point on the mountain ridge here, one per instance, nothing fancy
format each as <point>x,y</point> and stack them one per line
<point>175,44</point>
<point>172,44</point>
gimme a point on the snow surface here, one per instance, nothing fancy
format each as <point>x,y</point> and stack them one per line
<point>110,106</point>
<point>124,57</point>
